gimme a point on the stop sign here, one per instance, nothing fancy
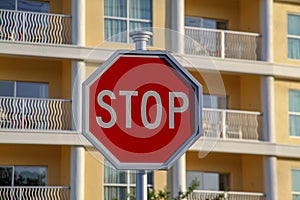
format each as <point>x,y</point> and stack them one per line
<point>142,109</point>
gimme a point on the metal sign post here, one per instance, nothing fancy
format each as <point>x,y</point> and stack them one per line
<point>141,185</point>
<point>140,38</point>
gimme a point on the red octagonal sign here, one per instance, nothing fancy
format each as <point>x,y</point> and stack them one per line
<point>142,109</point>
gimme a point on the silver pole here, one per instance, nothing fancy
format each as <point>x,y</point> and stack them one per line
<point>140,39</point>
<point>141,185</point>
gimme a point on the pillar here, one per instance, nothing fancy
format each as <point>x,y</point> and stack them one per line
<point>78,76</point>
<point>269,134</point>
<point>266,29</point>
<point>177,174</point>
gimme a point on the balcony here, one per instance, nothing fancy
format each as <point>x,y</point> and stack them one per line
<point>40,192</point>
<point>211,195</point>
<point>35,27</point>
<point>35,114</point>
<point>222,43</point>
<point>231,124</point>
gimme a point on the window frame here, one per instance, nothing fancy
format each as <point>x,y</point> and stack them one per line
<point>16,8</point>
<point>202,173</point>
<point>202,22</point>
<point>129,183</point>
<point>15,89</point>
<point>292,113</point>
<point>13,167</point>
<point>218,98</point>
<point>293,192</point>
<point>290,36</point>
<point>127,19</point>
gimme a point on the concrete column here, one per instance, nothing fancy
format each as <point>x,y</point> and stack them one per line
<point>269,134</point>
<point>177,25</point>
<point>77,173</point>
<point>266,26</point>
<point>270,177</point>
<point>78,22</point>
<point>268,108</point>
<point>78,76</point>
<point>177,174</point>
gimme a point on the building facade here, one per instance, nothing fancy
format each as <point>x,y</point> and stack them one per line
<point>245,53</point>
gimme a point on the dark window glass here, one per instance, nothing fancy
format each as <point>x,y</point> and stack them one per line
<point>7,4</point>
<point>25,5</point>
<point>5,176</point>
<point>30,176</point>
<point>34,90</point>
<point>7,88</point>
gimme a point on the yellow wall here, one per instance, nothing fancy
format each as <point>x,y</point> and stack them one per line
<point>246,171</point>
<point>39,70</point>
<point>94,22</point>
<point>60,6</point>
<point>160,180</point>
<point>243,91</point>
<point>215,9</point>
<point>281,10</point>
<point>40,155</point>
<point>250,98</point>
<point>284,167</point>
<point>281,109</point>
<point>94,170</point>
<point>250,16</point>
<point>252,173</point>
<point>218,162</point>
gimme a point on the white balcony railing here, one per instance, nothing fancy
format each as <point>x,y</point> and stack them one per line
<point>231,124</point>
<point>38,114</point>
<point>222,43</point>
<point>35,27</point>
<point>221,195</point>
<point>40,192</point>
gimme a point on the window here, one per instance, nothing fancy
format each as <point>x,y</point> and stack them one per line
<point>123,16</point>
<point>205,23</point>
<point>23,176</point>
<point>295,174</point>
<point>119,184</point>
<point>25,5</point>
<point>293,36</point>
<point>23,89</point>
<point>209,180</point>
<point>294,112</point>
<point>214,101</point>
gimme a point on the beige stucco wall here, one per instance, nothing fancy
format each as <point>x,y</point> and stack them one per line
<point>246,171</point>
<point>215,162</point>
<point>281,10</point>
<point>56,158</point>
<point>252,173</point>
<point>250,16</point>
<point>94,170</point>
<point>54,72</point>
<point>281,109</point>
<point>215,9</point>
<point>284,167</point>
<point>243,91</point>
<point>250,93</point>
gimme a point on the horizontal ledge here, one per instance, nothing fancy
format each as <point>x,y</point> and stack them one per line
<point>99,55</point>
<point>42,137</point>
<point>254,147</point>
